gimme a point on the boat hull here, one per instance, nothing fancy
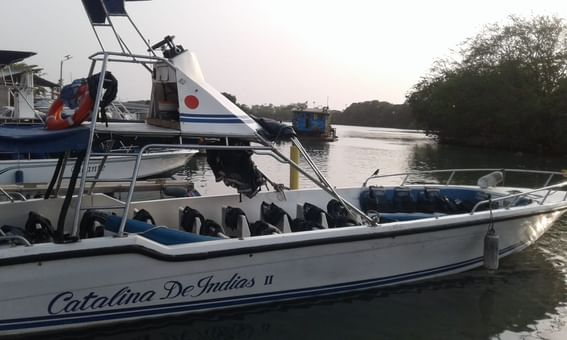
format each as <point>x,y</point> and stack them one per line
<point>90,283</point>
<point>117,168</point>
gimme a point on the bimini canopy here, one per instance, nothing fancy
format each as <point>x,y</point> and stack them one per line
<point>41,140</point>
<point>10,57</point>
<point>97,14</point>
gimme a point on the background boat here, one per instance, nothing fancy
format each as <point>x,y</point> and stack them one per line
<point>117,168</point>
<point>314,124</point>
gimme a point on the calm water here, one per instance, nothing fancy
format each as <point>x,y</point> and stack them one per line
<point>525,299</point>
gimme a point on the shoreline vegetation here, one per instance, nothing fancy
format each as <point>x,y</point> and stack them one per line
<point>505,88</point>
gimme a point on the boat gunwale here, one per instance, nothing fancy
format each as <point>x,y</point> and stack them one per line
<point>368,233</point>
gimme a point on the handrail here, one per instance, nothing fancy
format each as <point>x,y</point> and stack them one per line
<point>148,147</point>
<point>128,57</point>
<point>522,194</point>
<point>9,195</point>
<point>452,172</point>
<point>16,238</point>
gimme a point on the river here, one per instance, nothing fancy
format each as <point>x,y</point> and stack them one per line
<point>525,299</point>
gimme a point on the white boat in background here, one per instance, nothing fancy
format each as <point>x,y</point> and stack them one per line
<point>29,168</point>
<point>115,168</point>
<point>116,261</point>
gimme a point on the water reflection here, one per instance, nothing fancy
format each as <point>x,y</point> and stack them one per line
<point>346,162</point>
<point>433,156</point>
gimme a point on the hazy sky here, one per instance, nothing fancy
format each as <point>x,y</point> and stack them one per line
<point>272,51</point>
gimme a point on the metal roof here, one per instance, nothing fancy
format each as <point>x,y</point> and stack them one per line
<point>10,57</point>
<point>96,10</point>
<point>324,111</point>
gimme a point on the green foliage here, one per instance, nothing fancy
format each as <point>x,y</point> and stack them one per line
<point>230,97</point>
<point>281,112</point>
<point>376,113</point>
<point>508,90</point>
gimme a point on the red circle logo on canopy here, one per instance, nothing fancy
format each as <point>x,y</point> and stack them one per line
<point>192,102</point>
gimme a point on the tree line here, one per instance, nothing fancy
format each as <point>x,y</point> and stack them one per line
<point>369,113</point>
<point>506,89</point>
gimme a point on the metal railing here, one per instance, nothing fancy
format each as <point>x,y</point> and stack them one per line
<point>10,197</point>
<point>14,239</point>
<point>513,199</point>
<point>452,172</point>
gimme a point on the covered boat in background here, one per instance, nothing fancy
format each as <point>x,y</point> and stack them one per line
<point>314,124</point>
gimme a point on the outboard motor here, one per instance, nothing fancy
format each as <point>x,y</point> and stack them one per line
<point>236,169</point>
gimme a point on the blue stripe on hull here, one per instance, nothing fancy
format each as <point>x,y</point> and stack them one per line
<point>213,118</point>
<point>212,121</point>
<point>180,307</point>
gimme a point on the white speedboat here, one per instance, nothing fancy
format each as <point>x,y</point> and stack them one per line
<point>114,261</point>
<point>114,168</point>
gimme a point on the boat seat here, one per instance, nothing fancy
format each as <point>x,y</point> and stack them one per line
<point>38,228</point>
<point>235,223</point>
<point>403,200</point>
<point>315,214</point>
<point>276,216</point>
<point>162,235</point>
<point>190,220</point>
<point>376,198</point>
<point>341,216</point>
<point>260,228</point>
<point>144,216</point>
<point>92,224</point>
<point>8,231</point>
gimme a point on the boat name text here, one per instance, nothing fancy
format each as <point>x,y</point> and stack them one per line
<point>69,302</point>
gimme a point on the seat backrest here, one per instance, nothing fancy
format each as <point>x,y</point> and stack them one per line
<point>234,222</point>
<point>403,200</point>
<point>190,220</point>
<point>276,216</point>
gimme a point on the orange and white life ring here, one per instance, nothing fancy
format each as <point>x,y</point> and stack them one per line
<point>55,121</point>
